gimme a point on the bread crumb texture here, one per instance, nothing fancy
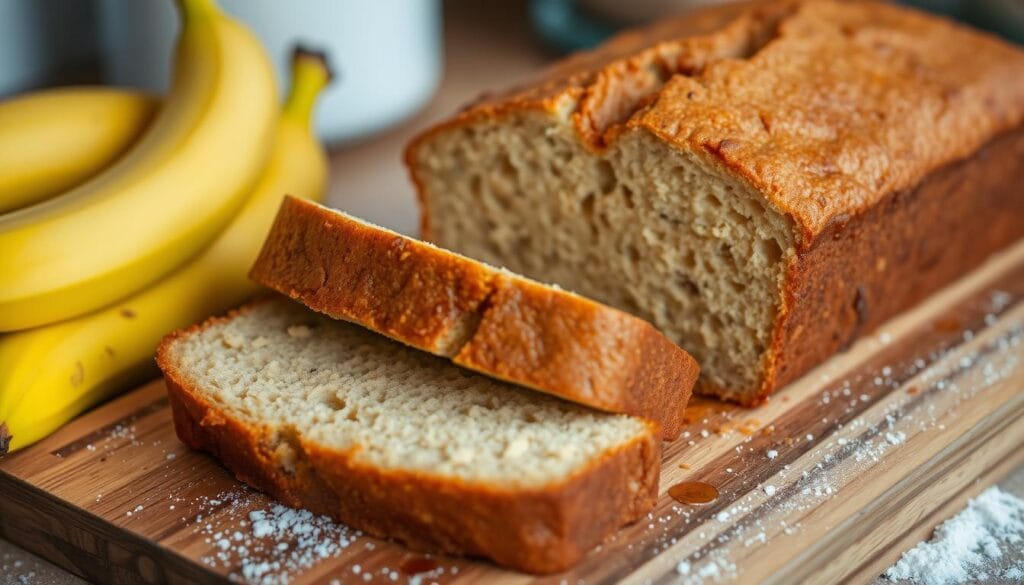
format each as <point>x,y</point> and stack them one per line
<point>304,377</point>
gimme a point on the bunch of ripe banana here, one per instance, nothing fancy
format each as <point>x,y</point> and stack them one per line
<point>123,217</point>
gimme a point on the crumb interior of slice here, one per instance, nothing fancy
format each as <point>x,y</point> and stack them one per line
<point>343,386</point>
<point>650,229</point>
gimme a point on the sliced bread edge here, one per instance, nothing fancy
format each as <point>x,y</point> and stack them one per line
<point>537,530</point>
<point>484,318</point>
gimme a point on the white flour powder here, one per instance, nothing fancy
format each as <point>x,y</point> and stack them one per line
<point>968,547</point>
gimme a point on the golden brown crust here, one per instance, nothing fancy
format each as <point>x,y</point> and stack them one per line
<point>535,530</point>
<point>823,106</point>
<point>484,319</point>
<point>393,285</point>
<point>851,101</point>
<point>881,132</point>
<point>864,271</point>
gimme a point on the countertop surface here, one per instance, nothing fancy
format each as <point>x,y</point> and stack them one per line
<point>19,567</point>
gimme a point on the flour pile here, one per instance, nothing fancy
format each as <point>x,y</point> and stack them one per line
<point>969,547</point>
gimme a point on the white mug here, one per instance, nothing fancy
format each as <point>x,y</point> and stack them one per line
<point>386,53</point>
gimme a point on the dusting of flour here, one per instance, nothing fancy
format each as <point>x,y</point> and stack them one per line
<point>965,548</point>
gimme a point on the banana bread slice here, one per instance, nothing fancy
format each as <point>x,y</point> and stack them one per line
<point>481,317</point>
<point>328,416</point>
<point>763,182</point>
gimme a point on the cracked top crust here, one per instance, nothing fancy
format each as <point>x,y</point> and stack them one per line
<point>483,318</point>
<point>824,106</point>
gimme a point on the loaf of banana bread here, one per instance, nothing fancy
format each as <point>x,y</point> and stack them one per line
<point>764,182</point>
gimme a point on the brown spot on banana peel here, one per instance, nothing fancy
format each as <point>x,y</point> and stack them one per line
<point>78,375</point>
<point>5,438</point>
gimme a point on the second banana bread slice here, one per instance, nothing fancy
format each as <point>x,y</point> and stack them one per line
<point>483,318</point>
<point>331,417</point>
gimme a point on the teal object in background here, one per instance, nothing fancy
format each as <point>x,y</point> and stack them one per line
<point>566,26</point>
<point>1003,17</point>
<point>954,8</point>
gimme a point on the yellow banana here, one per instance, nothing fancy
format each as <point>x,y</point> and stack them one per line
<point>160,203</point>
<point>54,139</point>
<point>50,374</point>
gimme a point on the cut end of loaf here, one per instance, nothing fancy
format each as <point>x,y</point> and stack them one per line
<point>659,233</point>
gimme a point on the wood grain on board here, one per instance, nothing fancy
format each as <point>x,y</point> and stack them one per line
<point>830,479</point>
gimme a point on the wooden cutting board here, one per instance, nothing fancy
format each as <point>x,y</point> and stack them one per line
<point>830,480</point>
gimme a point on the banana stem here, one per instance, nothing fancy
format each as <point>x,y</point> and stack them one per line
<point>310,74</point>
<point>5,438</point>
<point>194,8</point>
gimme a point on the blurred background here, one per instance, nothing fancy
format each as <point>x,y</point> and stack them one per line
<point>403,64</point>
